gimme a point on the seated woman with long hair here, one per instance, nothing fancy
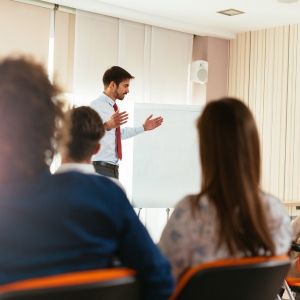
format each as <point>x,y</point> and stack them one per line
<point>231,216</point>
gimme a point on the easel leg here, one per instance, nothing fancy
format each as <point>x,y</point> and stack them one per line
<point>139,212</point>
<point>168,213</point>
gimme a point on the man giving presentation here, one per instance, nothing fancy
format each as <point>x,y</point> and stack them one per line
<point>116,83</point>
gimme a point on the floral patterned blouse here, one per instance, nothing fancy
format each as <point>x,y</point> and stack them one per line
<point>187,241</point>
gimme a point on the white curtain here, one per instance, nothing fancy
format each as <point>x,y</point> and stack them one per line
<point>158,58</point>
<point>264,68</point>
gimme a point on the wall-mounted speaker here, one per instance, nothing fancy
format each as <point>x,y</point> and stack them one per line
<point>199,71</point>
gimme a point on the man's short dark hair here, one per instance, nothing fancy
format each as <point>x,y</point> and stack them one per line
<point>29,114</point>
<point>115,74</point>
<point>81,133</point>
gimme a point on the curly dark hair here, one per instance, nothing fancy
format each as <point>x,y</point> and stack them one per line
<point>29,116</point>
<point>81,132</point>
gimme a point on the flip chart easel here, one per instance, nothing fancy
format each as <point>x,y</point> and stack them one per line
<point>166,160</point>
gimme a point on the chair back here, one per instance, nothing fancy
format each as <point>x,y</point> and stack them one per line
<point>106,284</point>
<point>254,278</point>
<point>293,278</point>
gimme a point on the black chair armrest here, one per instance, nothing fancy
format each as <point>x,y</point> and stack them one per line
<point>296,247</point>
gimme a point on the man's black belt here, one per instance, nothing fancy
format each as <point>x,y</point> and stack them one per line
<point>105,164</point>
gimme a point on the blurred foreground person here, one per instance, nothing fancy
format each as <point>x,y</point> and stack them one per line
<point>231,216</point>
<point>51,224</point>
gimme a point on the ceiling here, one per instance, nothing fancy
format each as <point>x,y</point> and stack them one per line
<point>196,16</point>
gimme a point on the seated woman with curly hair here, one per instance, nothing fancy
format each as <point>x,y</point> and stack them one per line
<point>67,222</point>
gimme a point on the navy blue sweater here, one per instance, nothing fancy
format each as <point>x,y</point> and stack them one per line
<point>70,222</point>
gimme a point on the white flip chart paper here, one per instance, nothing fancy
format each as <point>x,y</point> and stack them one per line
<point>165,160</point>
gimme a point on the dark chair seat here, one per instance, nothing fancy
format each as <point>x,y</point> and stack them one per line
<point>107,284</point>
<point>254,278</point>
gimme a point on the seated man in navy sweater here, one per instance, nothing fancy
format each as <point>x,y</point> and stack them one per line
<point>78,141</point>
<point>51,224</point>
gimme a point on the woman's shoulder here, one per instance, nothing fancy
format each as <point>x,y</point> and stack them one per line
<point>275,210</point>
<point>278,221</point>
<point>182,208</point>
<point>272,203</point>
<point>188,204</point>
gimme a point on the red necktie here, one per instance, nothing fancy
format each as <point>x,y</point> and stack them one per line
<point>118,137</point>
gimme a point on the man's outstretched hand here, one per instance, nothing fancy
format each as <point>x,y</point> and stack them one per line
<point>152,124</point>
<point>116,120</point>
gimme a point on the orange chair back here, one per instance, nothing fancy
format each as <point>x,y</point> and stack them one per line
<point>230,264</point>
<point>68,280</point>
<point>294,282</point>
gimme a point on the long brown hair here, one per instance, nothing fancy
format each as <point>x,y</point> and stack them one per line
<point>230,158</point>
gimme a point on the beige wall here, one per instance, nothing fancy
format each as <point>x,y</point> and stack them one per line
<point>215,52</point>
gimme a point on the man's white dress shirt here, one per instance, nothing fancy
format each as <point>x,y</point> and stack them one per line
<point>108,152</point>
<point>85,169</point>
<point>82,168</point>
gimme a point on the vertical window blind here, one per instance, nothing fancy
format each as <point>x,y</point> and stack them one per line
<point>24,30</point>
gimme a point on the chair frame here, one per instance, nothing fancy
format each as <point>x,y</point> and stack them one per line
<point>59,286</point>
<point>293,284</point>
<point>201,272</point>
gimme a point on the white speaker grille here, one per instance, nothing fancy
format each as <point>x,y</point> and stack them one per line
<point>202,75</point>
